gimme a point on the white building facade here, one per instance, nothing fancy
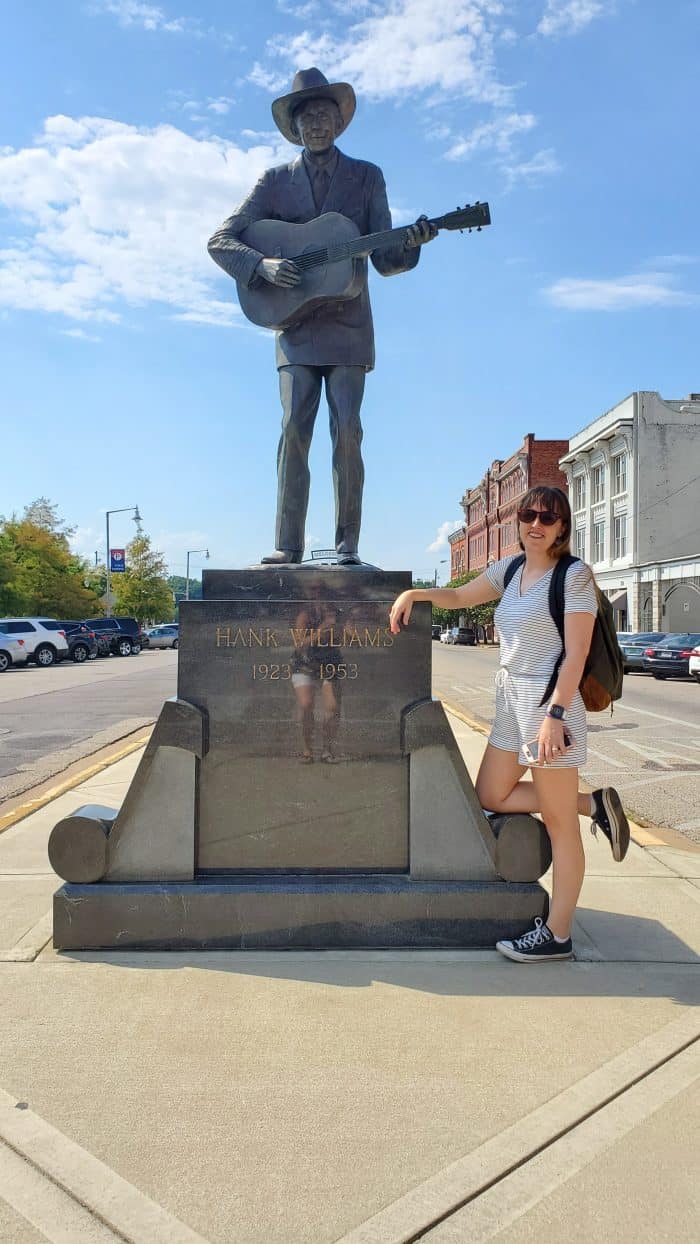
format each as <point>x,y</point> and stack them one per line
<point>634,487</point>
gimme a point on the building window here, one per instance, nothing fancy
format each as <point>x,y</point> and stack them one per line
<point>621,535</point>
<point>581,543</point>
<point>620,473</point>
<point>598,484</point>
<point>579,492</point>
<point>598,542</point>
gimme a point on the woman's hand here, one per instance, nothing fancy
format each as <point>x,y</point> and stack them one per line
<point>401,611</point>
<point>550,739</point>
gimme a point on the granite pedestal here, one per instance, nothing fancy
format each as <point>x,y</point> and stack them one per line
<point>302,790</point>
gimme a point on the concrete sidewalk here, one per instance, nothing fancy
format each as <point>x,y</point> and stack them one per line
<point>363,1097</point>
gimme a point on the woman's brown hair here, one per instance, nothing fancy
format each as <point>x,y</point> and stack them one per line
<point>556,500</point>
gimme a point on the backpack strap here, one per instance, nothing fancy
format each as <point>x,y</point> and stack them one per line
<point>557,585</point>
<point>511,569</point>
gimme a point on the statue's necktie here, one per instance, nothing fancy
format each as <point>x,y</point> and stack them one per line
<point>321,184</point>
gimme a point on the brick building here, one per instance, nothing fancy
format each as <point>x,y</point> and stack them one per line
<point>490,508</point>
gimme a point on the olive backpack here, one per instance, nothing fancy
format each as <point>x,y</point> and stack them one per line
<point>601,683</point>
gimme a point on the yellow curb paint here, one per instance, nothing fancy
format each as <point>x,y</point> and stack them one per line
<point>468,721</point>
<point>33,805</point>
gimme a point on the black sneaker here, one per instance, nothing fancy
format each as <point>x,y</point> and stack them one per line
<point>609,816</point>
<point>536,946</point>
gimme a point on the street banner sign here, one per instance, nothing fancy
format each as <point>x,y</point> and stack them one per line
<point>117,561</point>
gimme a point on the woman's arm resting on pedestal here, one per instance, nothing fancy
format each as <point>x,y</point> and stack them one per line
<point>476,592</point>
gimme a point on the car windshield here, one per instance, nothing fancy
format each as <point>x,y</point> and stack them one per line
<point>680,641</point>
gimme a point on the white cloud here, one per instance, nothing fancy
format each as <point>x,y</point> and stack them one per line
<point>625,293</point>
<point>568,17</point>
<point>79,333</point>
<point>135,13</point>
<point>444,530</point>
<point>106,215</point>
<point>300,11</point>
<point>221,105</point>
<point>497,134</point>
<point>542,164</point>
<point>400,48</point>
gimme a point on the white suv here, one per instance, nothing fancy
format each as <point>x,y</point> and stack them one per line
<point>12,651</point>
<point>45,643</point>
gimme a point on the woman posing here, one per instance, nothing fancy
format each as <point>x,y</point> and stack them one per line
<point>548,738</point>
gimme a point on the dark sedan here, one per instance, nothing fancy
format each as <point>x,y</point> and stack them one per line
<point>669,658</point>
<point>632,647</point>
<point>82,642</point>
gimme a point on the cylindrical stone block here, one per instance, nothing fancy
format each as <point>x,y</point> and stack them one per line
<point>78,844</point>
<point>523,849</point>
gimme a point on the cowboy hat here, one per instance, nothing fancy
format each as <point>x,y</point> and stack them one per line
<point>312,84</point>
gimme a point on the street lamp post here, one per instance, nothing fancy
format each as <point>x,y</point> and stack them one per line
<point>187,579</point>
<point>443,561</point>
<point>137,520</point>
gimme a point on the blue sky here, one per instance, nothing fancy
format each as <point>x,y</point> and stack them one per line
<point>129,130</point>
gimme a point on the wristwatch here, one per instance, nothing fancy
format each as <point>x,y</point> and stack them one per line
<point>557,711</point>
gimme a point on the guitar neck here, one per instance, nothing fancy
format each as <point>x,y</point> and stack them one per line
<point>357,246</point>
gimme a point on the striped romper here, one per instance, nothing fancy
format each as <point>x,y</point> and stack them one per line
<point>530,646</point>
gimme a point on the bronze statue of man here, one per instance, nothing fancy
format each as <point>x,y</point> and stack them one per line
<point>335,342</point>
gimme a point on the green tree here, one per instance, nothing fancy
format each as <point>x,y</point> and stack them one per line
<point>39,574</point>
<point>142,591</point>
<point>478,615</point>
<point>178,586</point>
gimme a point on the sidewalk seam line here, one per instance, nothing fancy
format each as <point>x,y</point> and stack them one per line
<point>589,1114</point>
<point>72,1196</point>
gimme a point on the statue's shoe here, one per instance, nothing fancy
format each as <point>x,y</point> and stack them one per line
<point>282,557</point>
<point>349,559</point>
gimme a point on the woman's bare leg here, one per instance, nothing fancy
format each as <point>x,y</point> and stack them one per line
<point>305,700</point>
<point>557,791</point>
<point>499,789</point>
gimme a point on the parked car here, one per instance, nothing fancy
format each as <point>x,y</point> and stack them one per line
<point>123,636</point>
<point>694,664</point>
<point>82,641</point>
<point>671,657</point>
<point>632,647</point>
<point>163,636</point>
<point>447,636</point>
<point>44,640</point>
<point>465,635</point>
<point>437,630</point>
<point>13,651</point>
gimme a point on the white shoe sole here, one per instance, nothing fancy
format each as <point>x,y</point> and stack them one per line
<point>619,825</point>
<point>518,957</point>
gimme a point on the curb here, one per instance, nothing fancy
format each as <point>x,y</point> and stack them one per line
<point>33,805</point>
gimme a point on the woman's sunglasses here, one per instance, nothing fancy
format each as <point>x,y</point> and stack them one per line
<point>547,517</point>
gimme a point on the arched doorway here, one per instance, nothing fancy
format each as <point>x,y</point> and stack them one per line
<point>682,608</point>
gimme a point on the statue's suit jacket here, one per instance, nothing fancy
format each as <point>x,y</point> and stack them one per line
<point>338,333</point>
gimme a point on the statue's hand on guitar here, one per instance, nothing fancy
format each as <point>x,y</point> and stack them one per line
<point>314,262</point>
<point>423,231</point>
<point>282,272</point>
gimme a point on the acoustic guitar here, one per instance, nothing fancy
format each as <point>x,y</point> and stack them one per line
<point>326,250</point>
